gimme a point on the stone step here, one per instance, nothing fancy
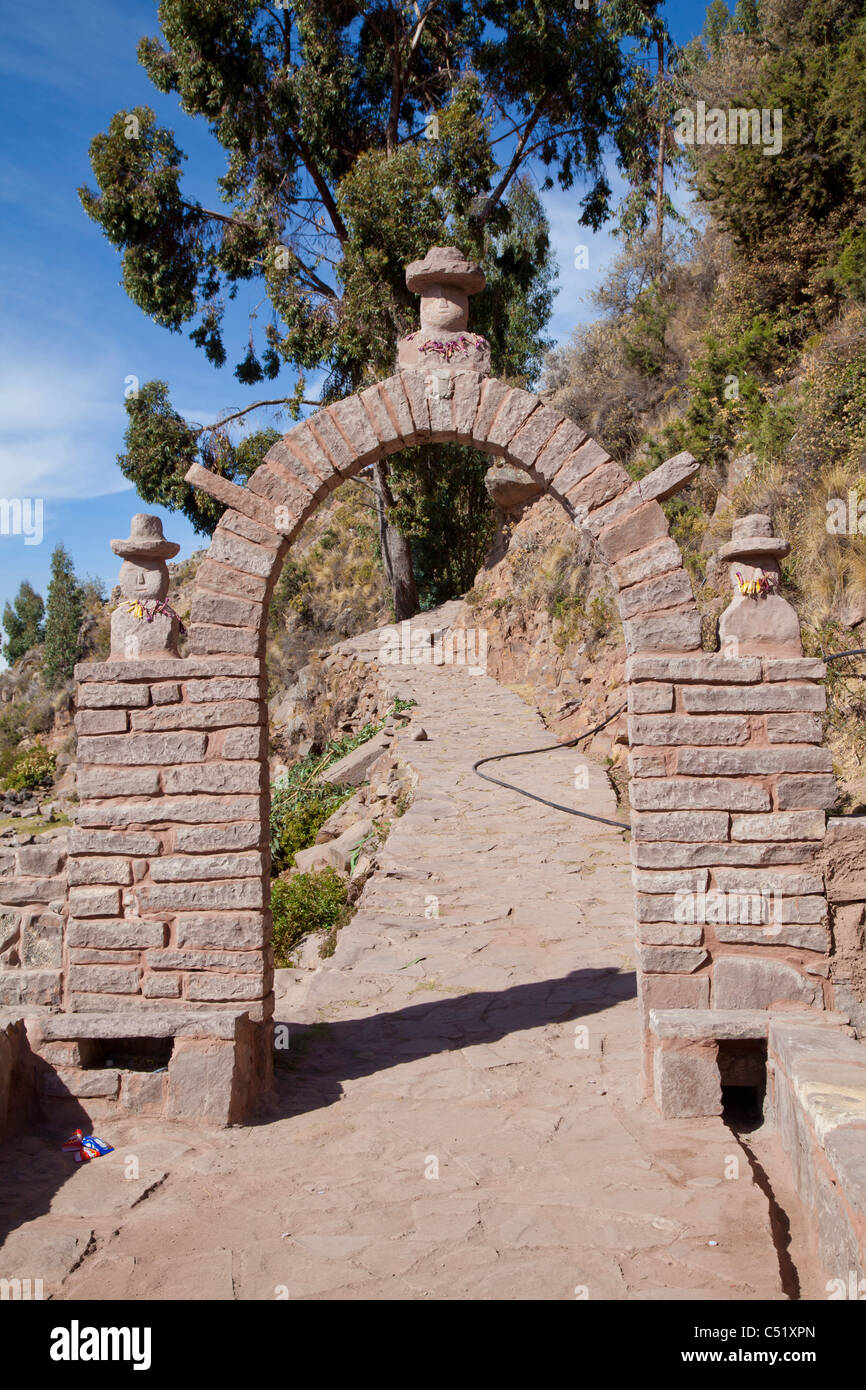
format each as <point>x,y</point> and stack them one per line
<point>727,1024</point>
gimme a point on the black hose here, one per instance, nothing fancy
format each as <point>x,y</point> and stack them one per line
<point>550,748</point>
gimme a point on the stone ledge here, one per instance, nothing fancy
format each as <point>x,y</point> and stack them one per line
<point>135,1023</point>
<point>726,1024</point>
<point>168,668</point>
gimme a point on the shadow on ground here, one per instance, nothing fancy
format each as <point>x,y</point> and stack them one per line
<point>320,1056</point>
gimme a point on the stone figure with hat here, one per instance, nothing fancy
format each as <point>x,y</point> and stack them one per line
<point>445,280</point>
<point>144,625</point>
<point>758,622</point>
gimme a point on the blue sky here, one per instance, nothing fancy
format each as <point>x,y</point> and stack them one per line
<point>69,337</point>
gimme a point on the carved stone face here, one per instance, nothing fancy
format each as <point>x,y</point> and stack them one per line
<point>443,307</point>
<point>144,579</point>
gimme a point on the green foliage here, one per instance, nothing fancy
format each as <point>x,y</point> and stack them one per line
<point>644,341</point>
<point>32,769</point>
<point>63,621</point>
<point>23,621</point>
<point>305,903</point>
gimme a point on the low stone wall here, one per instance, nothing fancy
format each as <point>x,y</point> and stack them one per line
<point>817,1102</point>
<point>843,860</point>
<point>33,907</point>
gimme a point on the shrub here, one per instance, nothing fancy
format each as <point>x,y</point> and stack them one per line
<point>32,769</point>
<point>306,903</point>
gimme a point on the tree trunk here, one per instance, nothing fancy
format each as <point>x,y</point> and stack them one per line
<point>396,553</point>
<point>660,162</point>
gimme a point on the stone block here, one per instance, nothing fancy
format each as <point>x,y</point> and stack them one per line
<point>686,1081</point>
<point>651,699</point>
<point>687,856</point>
<point>790,882</point>
<point>200,1083</point>
<point>194,810</point>
<point>217,715</point>
<point>600,486</point>
<point>138,749</point>
<point>742,670</point>
<point>232,930</point>
<point>92,870</point>
<point>753,982</point>
<point>124,933</point>
<point>143,1093</point>
<point>104,979</point>
<point>781,825</point>
<point>250,742</point>
<point>635,531</point>
<point>23,892</point>
<point>680,825</point>
<point>669,934</point>
<point>670,960</point>
<point>751,762</point>
<point>640,765</point>
<point>670,881</point>
<point>246,893</point>
<point>353,768</point>
<point>42,941</point>
<point>667,591</point>
<point>241,554</point>
<point>669,478</point>
<point>161,986</point>
<point>673,992</point>
<point>166,693</point>
<point>657,559</point>
<point>112,842</point>
<point>530,440</point>
<point>94,782</point>
<point>243,962</point>
<point>560,451</point>
<point>513,412</point>
<point>101,721</point>
<point>803,938</point>
<point>794,668</point>
<point>670,730</point>
<point>41,988</point>
<point>42,861</point>
<point>72,1081</point>
<point>211,987</point>
<point>111,695</point>
<point>169,667</point>
<point>799,793</point>
<point>676,630</point>
<point>698,793</point>
<point>94,902</point>
<point>755,699</point>
<point>212,575</point>
<point>184,868</point>
<point>226,688</point>
<point>215,777</point>
<point>199,839</point>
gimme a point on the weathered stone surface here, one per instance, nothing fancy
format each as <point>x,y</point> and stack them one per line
<point>353,423</point>
<point>196,810</point>
<point>101,721</point>
<point>245,962</point>
<point>794,668</point>
<point>42,941</point>
<point>650,699</point>
<point>242,555</point>
<point>514,410</point>
<point>125,933</point>
<point>230,612</point>
<point>104,979</point>
<point>686,1081</point>
<point>804,938</point>
<point>21,891</point>
<point>213,988</point>
<point>226,688</point>
<point>656,559</point>
<point>783,825</point>
<point>806,793</point>
<point>111,842</point>
<point>93,870</point>
<point>464,404</point>
<point>641,765</point>
<point>98,782</point>
<point>753,982</point>
<point>577,466</point>
<point>667,591</point>
<point>39,987</point>
<point>219,714</point>
<point>672,960</point>
<point>249,742</point>
<point>187,867</point>
<point>686,856</point>
<point>137,749</point>
<point>671,881</point>
<point>622,504</point>
<point>224,580</point>
<point>533,435</point>
<point>165,668</point>
<point>673,992</point>
<point>199,839</point>
<point>94,902</point>
<point>240,525</point>
<point>247,892</point>
<point>559,450</point>
<point>669,730</point>
<point>669,934</point>
<point>112,695</point>
<point>794,728</point>
<point>680,825</point>
<point>380,421</point>
<point>698,793</point>
<point>756,699</point>
<point>635,531</point>
<point>69,1081</point>
<point>352,769</point>
<point>134,1023</point>
<point>161,986</point>
<point>234,930</point>
<point>599,487</point>
<point>693,668</point>
<point>337,853</point>
<point>676,630</point>
<point>41,860</point>
<point>789,882</point>
<point>207,637</point>
<point>215,777</point>
<point>669,478</point>
<point>165,693</point>
<point>750,762</point>
<point>200,1084</point>
<point>393,398</point>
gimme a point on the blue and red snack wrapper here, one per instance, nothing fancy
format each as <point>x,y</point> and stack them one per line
<point>85,1147</point>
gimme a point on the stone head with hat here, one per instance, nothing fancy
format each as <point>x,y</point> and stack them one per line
<point>137,630</point>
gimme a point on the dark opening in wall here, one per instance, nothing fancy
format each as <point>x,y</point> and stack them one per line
<point>743,1074</point>
<point>129,1054</point>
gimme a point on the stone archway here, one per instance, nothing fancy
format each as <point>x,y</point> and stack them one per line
<point>167,903</point>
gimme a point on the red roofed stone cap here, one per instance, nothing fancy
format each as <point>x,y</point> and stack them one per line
<point>445,265</point>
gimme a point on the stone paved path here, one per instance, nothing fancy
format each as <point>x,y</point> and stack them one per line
<point>460,1117</point>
